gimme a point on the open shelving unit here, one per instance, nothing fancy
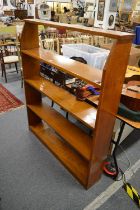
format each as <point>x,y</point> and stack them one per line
<point>80,153</point>
<point>82,111</point>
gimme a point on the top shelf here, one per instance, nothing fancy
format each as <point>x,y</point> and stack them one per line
<point>82,71</point>
<point>84,29</point>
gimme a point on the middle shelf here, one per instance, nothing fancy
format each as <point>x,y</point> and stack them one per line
<point>81,110</point>
<point>77,138</point>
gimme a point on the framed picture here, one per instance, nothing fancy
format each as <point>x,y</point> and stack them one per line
<point>111,20</point>
<point>113,6</point>
<point>101,7</point>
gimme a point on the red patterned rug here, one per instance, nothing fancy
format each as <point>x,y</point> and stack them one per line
<point>8,101</point>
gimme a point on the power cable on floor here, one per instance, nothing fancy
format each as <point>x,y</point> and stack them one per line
<point>129,189</point>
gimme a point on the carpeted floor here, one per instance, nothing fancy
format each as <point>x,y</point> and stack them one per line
<point>121,200</point>
<point>32,179</point>
<point>8,101</point>
<point>30,176</point>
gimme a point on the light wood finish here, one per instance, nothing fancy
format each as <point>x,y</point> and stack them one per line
<point>79,109</point>
<point>95,100</point>
<point>6,44</point>
<point>83,29</point>
<point>129,122</point>
<point>75,68</point>
<point>133,57</point>
<point>31,65</point>
<point>112,81</point>
<point>78,139</point>
<point>30,33</point>
<point>8,12</point>
<point>73,162</point>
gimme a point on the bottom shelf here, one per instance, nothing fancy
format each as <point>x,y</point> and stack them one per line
<point>71,160</point>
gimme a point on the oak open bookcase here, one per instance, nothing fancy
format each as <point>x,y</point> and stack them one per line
<point>80,153</point>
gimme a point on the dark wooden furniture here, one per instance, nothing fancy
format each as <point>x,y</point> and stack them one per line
<point>20,13</point>
<point>8,12</point>
<point>81,154</point>
<point>7,57</point>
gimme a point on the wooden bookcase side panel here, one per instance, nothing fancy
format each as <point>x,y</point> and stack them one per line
<point>112,83</point>
<point>29,37</point>
<point>32,95</point>
<point>31,67</point>
<point>113,77</point>
<point>33,119</point>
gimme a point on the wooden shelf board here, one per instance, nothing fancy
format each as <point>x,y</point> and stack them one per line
<point>79,109</point>
<point>78,139</point>
<point>72,161</point>
<point>129,122</point>
<point>84,29</point>
<point>75,68</point>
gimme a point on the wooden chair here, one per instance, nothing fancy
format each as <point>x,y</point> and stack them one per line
<point>5,58</point>
<point>85,39</point>
<point>52,34</point>
<point>61,41</point>
<point>11,48</point>
<point>47,44</point>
